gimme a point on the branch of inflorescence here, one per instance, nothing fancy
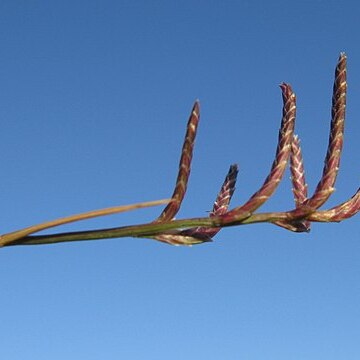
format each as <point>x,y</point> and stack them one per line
<point>199,230</point>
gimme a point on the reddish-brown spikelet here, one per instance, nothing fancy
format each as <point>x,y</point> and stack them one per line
<point>338,213</point>
<point>326,184</point>
<point>298,173</point>
<point>184,167</point>
<point>176,238</point>
<point>299,187</point>
<point>279,165</point>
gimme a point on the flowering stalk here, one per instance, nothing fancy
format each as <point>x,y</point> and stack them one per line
<point>200,230</point>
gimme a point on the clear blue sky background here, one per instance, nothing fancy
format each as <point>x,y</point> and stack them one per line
<point>95,96</point>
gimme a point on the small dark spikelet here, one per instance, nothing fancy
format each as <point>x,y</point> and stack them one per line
<point>220,207</point>
<point>226,192</point>
<point>184,167</point>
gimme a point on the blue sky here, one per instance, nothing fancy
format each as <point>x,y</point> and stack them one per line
<point>95,96</point>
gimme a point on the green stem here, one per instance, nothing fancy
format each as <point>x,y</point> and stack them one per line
<point>22,233</point>
<point>142,230</point>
